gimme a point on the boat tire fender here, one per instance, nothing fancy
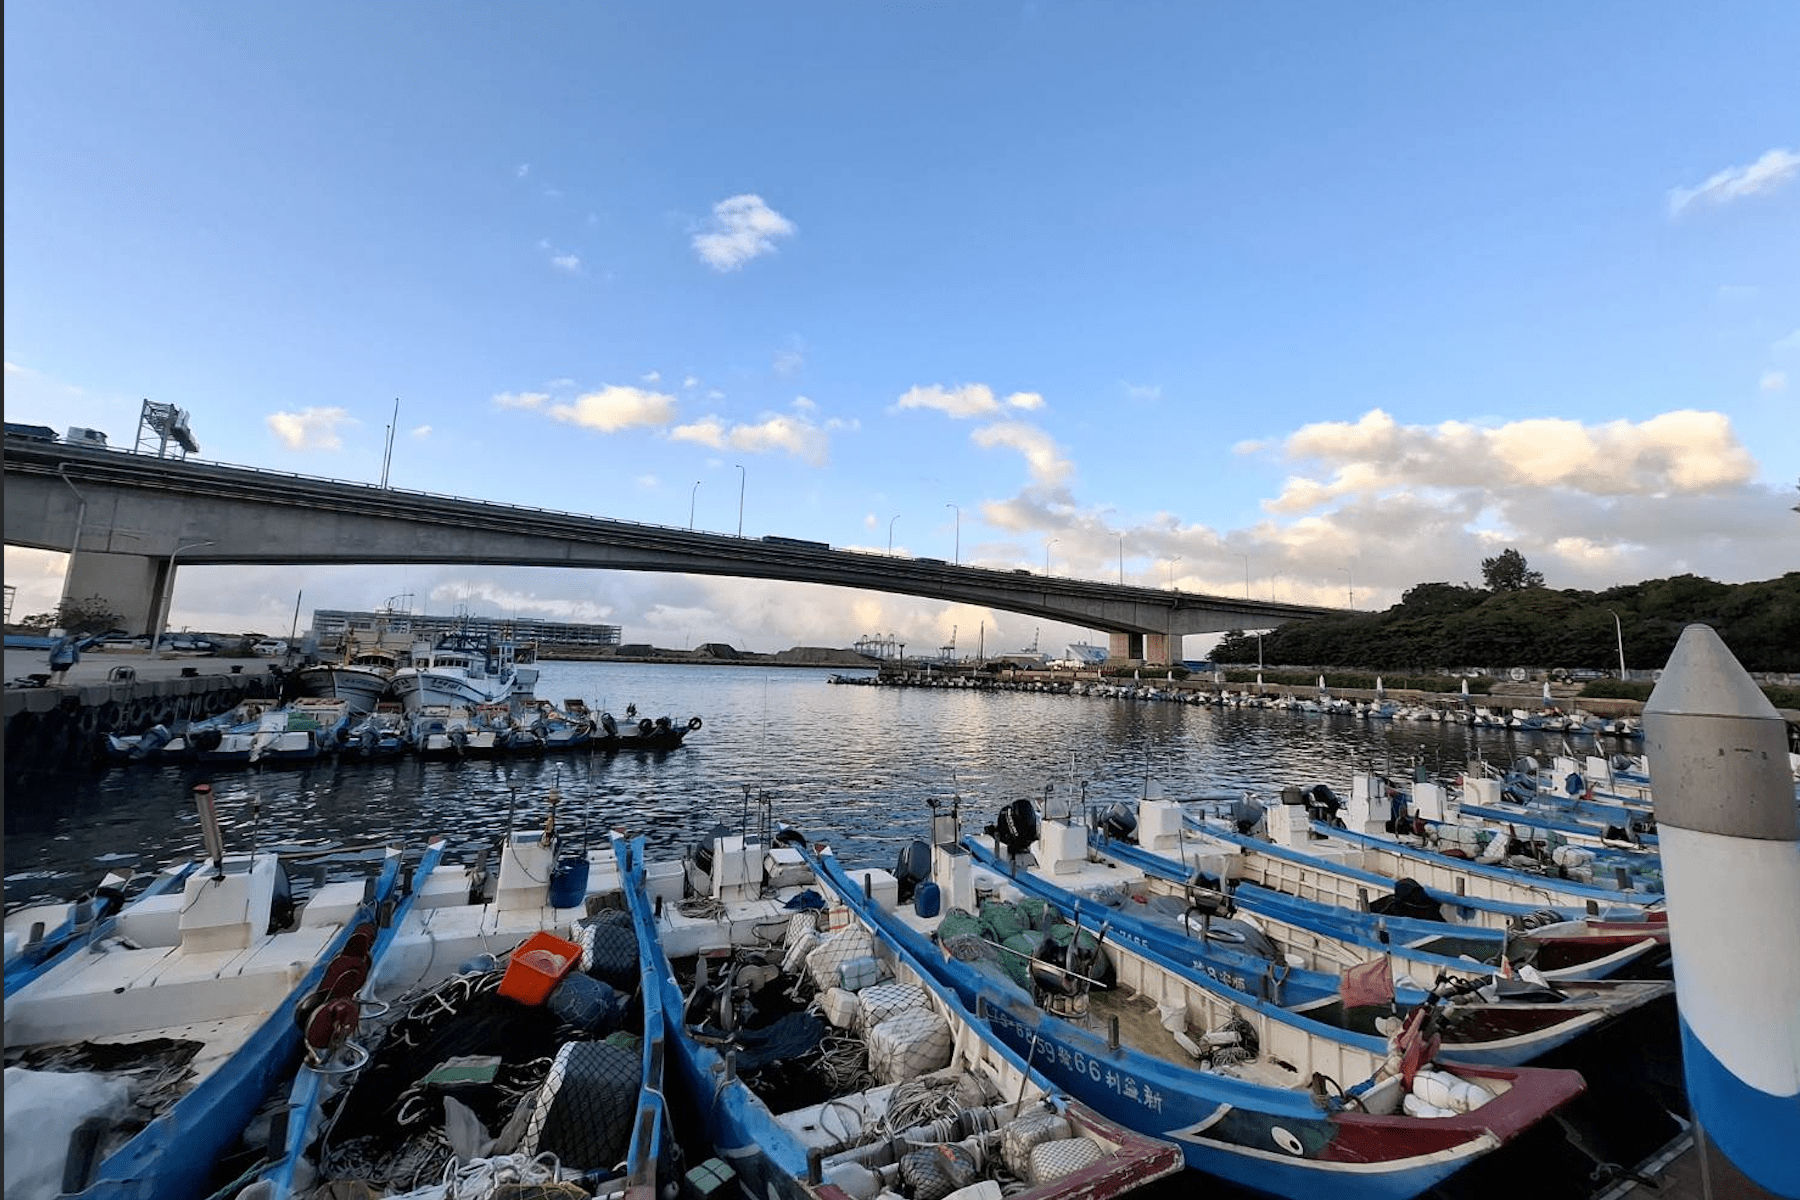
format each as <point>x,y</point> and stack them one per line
<point>693,724</point>
<point>646,727</point>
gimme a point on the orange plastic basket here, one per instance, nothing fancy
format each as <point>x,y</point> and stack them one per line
<point>537,966</point>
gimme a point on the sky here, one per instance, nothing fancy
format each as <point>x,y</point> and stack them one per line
<point>1318,301</point>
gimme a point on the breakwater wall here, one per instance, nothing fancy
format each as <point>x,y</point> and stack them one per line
<point>60,728</point>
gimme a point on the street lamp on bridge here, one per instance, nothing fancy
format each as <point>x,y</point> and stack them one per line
<point>693,496</point>
<point>743,475</point>
<point>168,597</point>
<point>957,556</point>
<point>1047,546</point>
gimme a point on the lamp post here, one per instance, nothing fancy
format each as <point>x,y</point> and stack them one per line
<point>169,594</point>
<point>1121,560</point>
<point>1620,631</point>
<point>692,497</point>
<point>743,475</point>
<point>957,557</point>
<point>1047,546</point>
<point>1246,559</point>
<point>891,521</point>
<point>1350,584</point>
<point>1172,563</point>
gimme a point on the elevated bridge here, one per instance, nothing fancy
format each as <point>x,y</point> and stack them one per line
<point>129,521</point>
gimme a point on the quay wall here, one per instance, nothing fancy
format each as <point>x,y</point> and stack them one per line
<point>61,727</point>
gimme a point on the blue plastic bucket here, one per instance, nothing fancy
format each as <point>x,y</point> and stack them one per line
<point>568,883</point>
<point>925,899</point>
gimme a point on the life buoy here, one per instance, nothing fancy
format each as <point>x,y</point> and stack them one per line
<point>693,724</point>
<point>646,727</point>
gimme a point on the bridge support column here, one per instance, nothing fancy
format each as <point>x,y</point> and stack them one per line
<point>127,584</point>
<point>1123,647</point>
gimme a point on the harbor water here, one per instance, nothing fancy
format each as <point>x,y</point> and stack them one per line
<point>858,767</point>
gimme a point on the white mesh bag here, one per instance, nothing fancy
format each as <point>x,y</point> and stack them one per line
<point>883,1000</point>
<point>834,951</point>
<point>1018,1137</point>
<point>910,1043</point>
<point>1059,1159</point>
<point>800,925</point>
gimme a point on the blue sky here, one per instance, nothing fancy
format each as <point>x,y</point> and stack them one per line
<point>1335,295</point>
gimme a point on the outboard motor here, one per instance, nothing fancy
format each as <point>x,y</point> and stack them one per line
<point>1519,788</point>
<point>1322,803</point>
<point>913,868</point>
<point>1084,967</point>
<point>1575,785</point>
<point>1118,822</point>
<point>1017,827</point>
<point>1409,900</point>
<point>1246,815</point>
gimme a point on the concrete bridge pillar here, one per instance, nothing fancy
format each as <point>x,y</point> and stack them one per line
<point>1151,649</point>
<point>127,584</point>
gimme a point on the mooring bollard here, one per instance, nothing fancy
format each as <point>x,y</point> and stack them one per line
<point>1730,844</point>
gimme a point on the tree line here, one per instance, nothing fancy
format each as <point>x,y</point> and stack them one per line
<point>1515,620</point>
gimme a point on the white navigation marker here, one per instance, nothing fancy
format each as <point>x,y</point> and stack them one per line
<point>1730,842</point>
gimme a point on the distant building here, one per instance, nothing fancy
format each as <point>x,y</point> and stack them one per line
<point>331,626</point>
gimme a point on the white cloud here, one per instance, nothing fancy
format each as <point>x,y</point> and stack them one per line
<point>15,369</point>
<point>1766,174</point>
<point>691,381</point>
<point>310,428</point>
<point>422,431</point>
<point>742,228</point>
<point>1684,452</point>
<point>646,481</point>
<point>1774,381</point>
<point>1782,346</point>
<point>966,400</point>
<point>614,408</point>
<point>788,363</point>
<point>651,377</point>
<point>525,400</point>
<point>1048,467</point>
<point>522,170</point>
<point>1142,391</point>
<point>715,394</point>
<point>797,434</point>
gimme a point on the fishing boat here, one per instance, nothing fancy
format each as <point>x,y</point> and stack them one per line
<point>520,1039</point>
<point>172,1024</point>
<point>637,732</point>
<point>379,736</point>
<point>1255,1095</point>
<point>1494,1016</point>
<point>450,732</point>
<point>38,935</point>
<point>1290,862</point>
<point>461,668</point>
<point>362,679</point>
<point>831,1064</point>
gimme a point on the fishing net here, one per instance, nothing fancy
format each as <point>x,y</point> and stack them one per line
<point>609,952</point>
<point>957,923</point>
<point>825,962</point>
<point>1002,920</point>
<point>909,1044</point>
<point>584,1108</point>
<point>935,1171</point>
<point>1019,1136</point>
<point>884,1000</point>
<point>1053,1160</point>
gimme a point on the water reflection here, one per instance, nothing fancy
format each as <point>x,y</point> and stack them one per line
<point>852,765</point>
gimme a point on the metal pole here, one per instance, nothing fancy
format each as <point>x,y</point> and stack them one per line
<point>891,521</point>
<point>1730,846</point>
<point>1121,560</point>
<point>957,558</point>
<point>743,476</point>
<point>1620,631</point>
<point>692,497</point>
<point>1047,546</point>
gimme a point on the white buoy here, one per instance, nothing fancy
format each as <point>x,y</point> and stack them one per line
<point>1730,843</point>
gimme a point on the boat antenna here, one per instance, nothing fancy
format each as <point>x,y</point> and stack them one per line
<point>552,800</point>
<point>744,815</point>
